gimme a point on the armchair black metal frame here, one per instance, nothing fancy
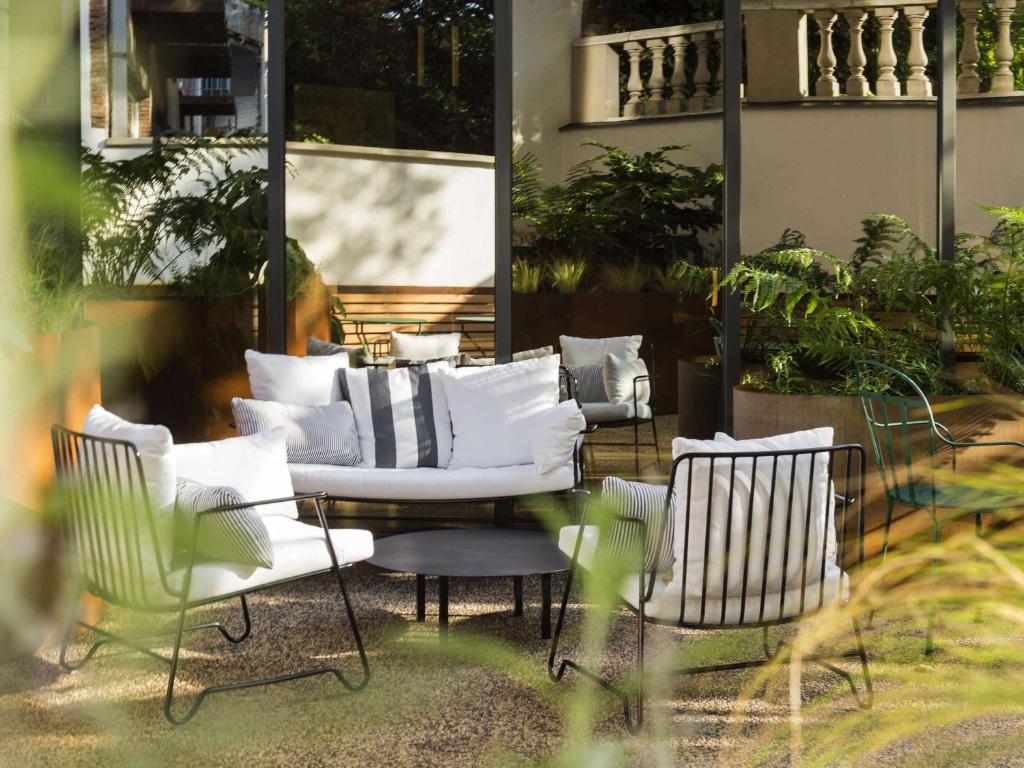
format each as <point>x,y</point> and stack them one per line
<point>847,515</point>
<point>110,537</point>
<point>893,423</point>
<point>651,379</point>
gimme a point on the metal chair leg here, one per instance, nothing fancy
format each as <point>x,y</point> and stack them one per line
<point>929,639</point>
<point>869,695</point>
<point>885,549</point>
<point>654,430</point>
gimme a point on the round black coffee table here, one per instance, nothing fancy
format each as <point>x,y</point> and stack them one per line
<point>472,554</point>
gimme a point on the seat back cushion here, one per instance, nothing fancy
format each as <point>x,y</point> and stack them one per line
<point>783,503</point>
<point>580,351</point>
<point>314,434</point>
<point>618,374</point>
<point>295,380</point>
<point>588,379</point>
<point>530,354</point>
<point>156,452</point>
<point>401,415</point>
<point>429,346</point>
<point>556,435</point>
<point>255,465</point>
<point>319,348</point>
<point>495,410</point>
<point>233,536</point>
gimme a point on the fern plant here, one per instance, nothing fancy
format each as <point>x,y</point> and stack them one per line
<point>683,279</point>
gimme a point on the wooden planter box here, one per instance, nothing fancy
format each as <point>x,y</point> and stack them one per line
<point>676,328</point>
<point>970,417</point>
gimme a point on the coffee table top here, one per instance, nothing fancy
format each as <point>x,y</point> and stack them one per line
<point>470,552</point>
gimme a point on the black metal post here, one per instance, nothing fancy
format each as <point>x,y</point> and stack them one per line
<point>503,180</point>
<point>276,284</point>
<point>946,140</point>
<point>732,42</point>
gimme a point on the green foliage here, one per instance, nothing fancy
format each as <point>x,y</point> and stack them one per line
<point>684,279</point>
<point>625,278</point>
<point>567,272</point>
<point>526,277</point>
<point>527,186</point>
<point>811,317</point>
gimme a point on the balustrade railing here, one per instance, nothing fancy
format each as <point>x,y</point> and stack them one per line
<point>678,69</point>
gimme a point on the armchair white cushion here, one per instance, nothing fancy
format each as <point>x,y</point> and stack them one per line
<point>619,375</point>
<point>580,351</point>
<point>555,436</point>
<point>256,466</point>
<point>430,346</point>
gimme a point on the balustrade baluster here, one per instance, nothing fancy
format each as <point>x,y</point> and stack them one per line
<point>656,101</point>
<point>918,84</point>
<point>634,85</point>
<point>716,100</point>
<point>968,81</point>
<point>826,85</point>
<point>701,75</point>
<point>886,84</point>
<point>677,101</point>
<point>856,83</point>
<point>1002,78</point>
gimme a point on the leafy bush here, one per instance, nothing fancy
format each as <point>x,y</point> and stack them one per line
<point>683,278</point>
<point>625,278</point>
<point>526,277</point>
<point>567,273</point>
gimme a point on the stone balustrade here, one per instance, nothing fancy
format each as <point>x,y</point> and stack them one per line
<point>658,80</point>
<point>677,69</point>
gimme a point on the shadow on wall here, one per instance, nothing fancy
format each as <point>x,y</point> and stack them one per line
<point>372,220</point>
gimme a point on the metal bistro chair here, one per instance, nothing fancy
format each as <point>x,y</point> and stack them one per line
<point>752,579</point>
<point>909,465</point>
<point>112,548</point>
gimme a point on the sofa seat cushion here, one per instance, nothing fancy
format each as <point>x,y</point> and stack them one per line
<point>428,483</point>
<point>664,604</point>
<point>602,413</point>
<point>299,549</point>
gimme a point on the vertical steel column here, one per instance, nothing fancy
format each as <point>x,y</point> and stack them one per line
<point>946,139</point>
<point>277,283</point>
<point>732,42</point>
<point>503,180</point>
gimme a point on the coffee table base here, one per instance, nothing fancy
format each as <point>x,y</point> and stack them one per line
<point>517,609</point>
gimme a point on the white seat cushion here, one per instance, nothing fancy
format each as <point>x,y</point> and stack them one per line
<point>600,413</point>
<point>299,549</point>
<point>664,604</point>
<point>428,483</point>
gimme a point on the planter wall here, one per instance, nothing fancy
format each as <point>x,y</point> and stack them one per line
<point>970,417</point>
<point>677,329</point>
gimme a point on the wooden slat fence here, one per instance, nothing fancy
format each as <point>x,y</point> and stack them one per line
<point>438,306</point>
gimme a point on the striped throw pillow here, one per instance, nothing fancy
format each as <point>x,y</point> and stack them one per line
<point>589,378</point>
<point>314,434</point>
<point>645,502</point>
<point>236,536</point>
<point>401,415</point>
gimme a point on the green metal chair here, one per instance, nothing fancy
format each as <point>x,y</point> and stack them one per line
<point>910,470</point>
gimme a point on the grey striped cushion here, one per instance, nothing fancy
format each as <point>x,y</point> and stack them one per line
<point>646,502</point>
<point>314,434</point>
<point>235,536</point>
<point>401,415</point>
<point>589,382</point>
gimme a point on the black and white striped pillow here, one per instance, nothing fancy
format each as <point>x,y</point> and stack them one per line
<point>236,536</point>
<point>589,382</point>
<point>401,415</point>
<point>645,502</point>
<point>314,434</point>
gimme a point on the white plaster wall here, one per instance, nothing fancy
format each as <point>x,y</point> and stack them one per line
<point>393,217</point>
<point>542,36</point>
<point>821,170</point>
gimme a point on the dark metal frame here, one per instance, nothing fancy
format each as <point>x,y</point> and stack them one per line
<point>851,516</point>
<point>889,423</point>
<point>112,547</point>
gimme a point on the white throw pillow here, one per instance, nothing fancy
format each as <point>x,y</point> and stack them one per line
<point>555,437</point>
<point>156,451</point>
<point>580,351</point>
<point>495,410</point>
<point>256,466</point>
<point>401,415</point>
<point>709,531</point>
<point>430,346</point>
<point>309,380</point>
<point>619,373</point>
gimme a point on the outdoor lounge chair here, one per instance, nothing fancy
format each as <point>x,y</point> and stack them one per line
<point>736,574</point>
<point>114,552</point>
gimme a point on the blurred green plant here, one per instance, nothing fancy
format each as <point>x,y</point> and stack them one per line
<point>633,277</point>
<point>526,277</point>
<point>566,273</point>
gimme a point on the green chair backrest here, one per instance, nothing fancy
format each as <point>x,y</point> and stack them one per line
<point>895,423</point>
